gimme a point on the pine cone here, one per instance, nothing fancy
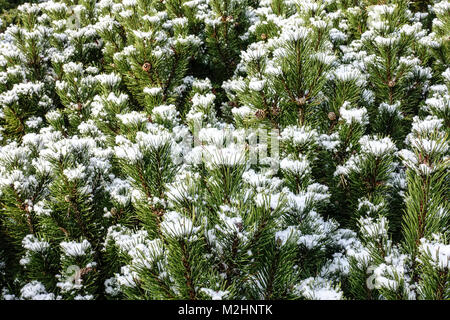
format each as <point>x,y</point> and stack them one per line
<point>146,67</point>
<point>260,114</point>
<point>331,116</point>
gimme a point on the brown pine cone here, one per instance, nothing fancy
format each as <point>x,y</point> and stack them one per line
<point>146,67</point>
<point>331,116</point>
<point>260,114</point>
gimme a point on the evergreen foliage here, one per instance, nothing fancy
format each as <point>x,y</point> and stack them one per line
<point>225,149</point>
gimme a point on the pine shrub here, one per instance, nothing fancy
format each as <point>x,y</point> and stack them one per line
<point>225,149</point>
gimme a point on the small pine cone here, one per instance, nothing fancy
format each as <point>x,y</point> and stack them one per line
<point>67,198</point>
<point>263,36</point>
<point>331,116</point>
<point>260,114</point>
<point>146,67</point>
<point>79,106</point>
<point>391,83</point>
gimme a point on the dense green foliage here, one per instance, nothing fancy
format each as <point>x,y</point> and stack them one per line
<point>235,149</point>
